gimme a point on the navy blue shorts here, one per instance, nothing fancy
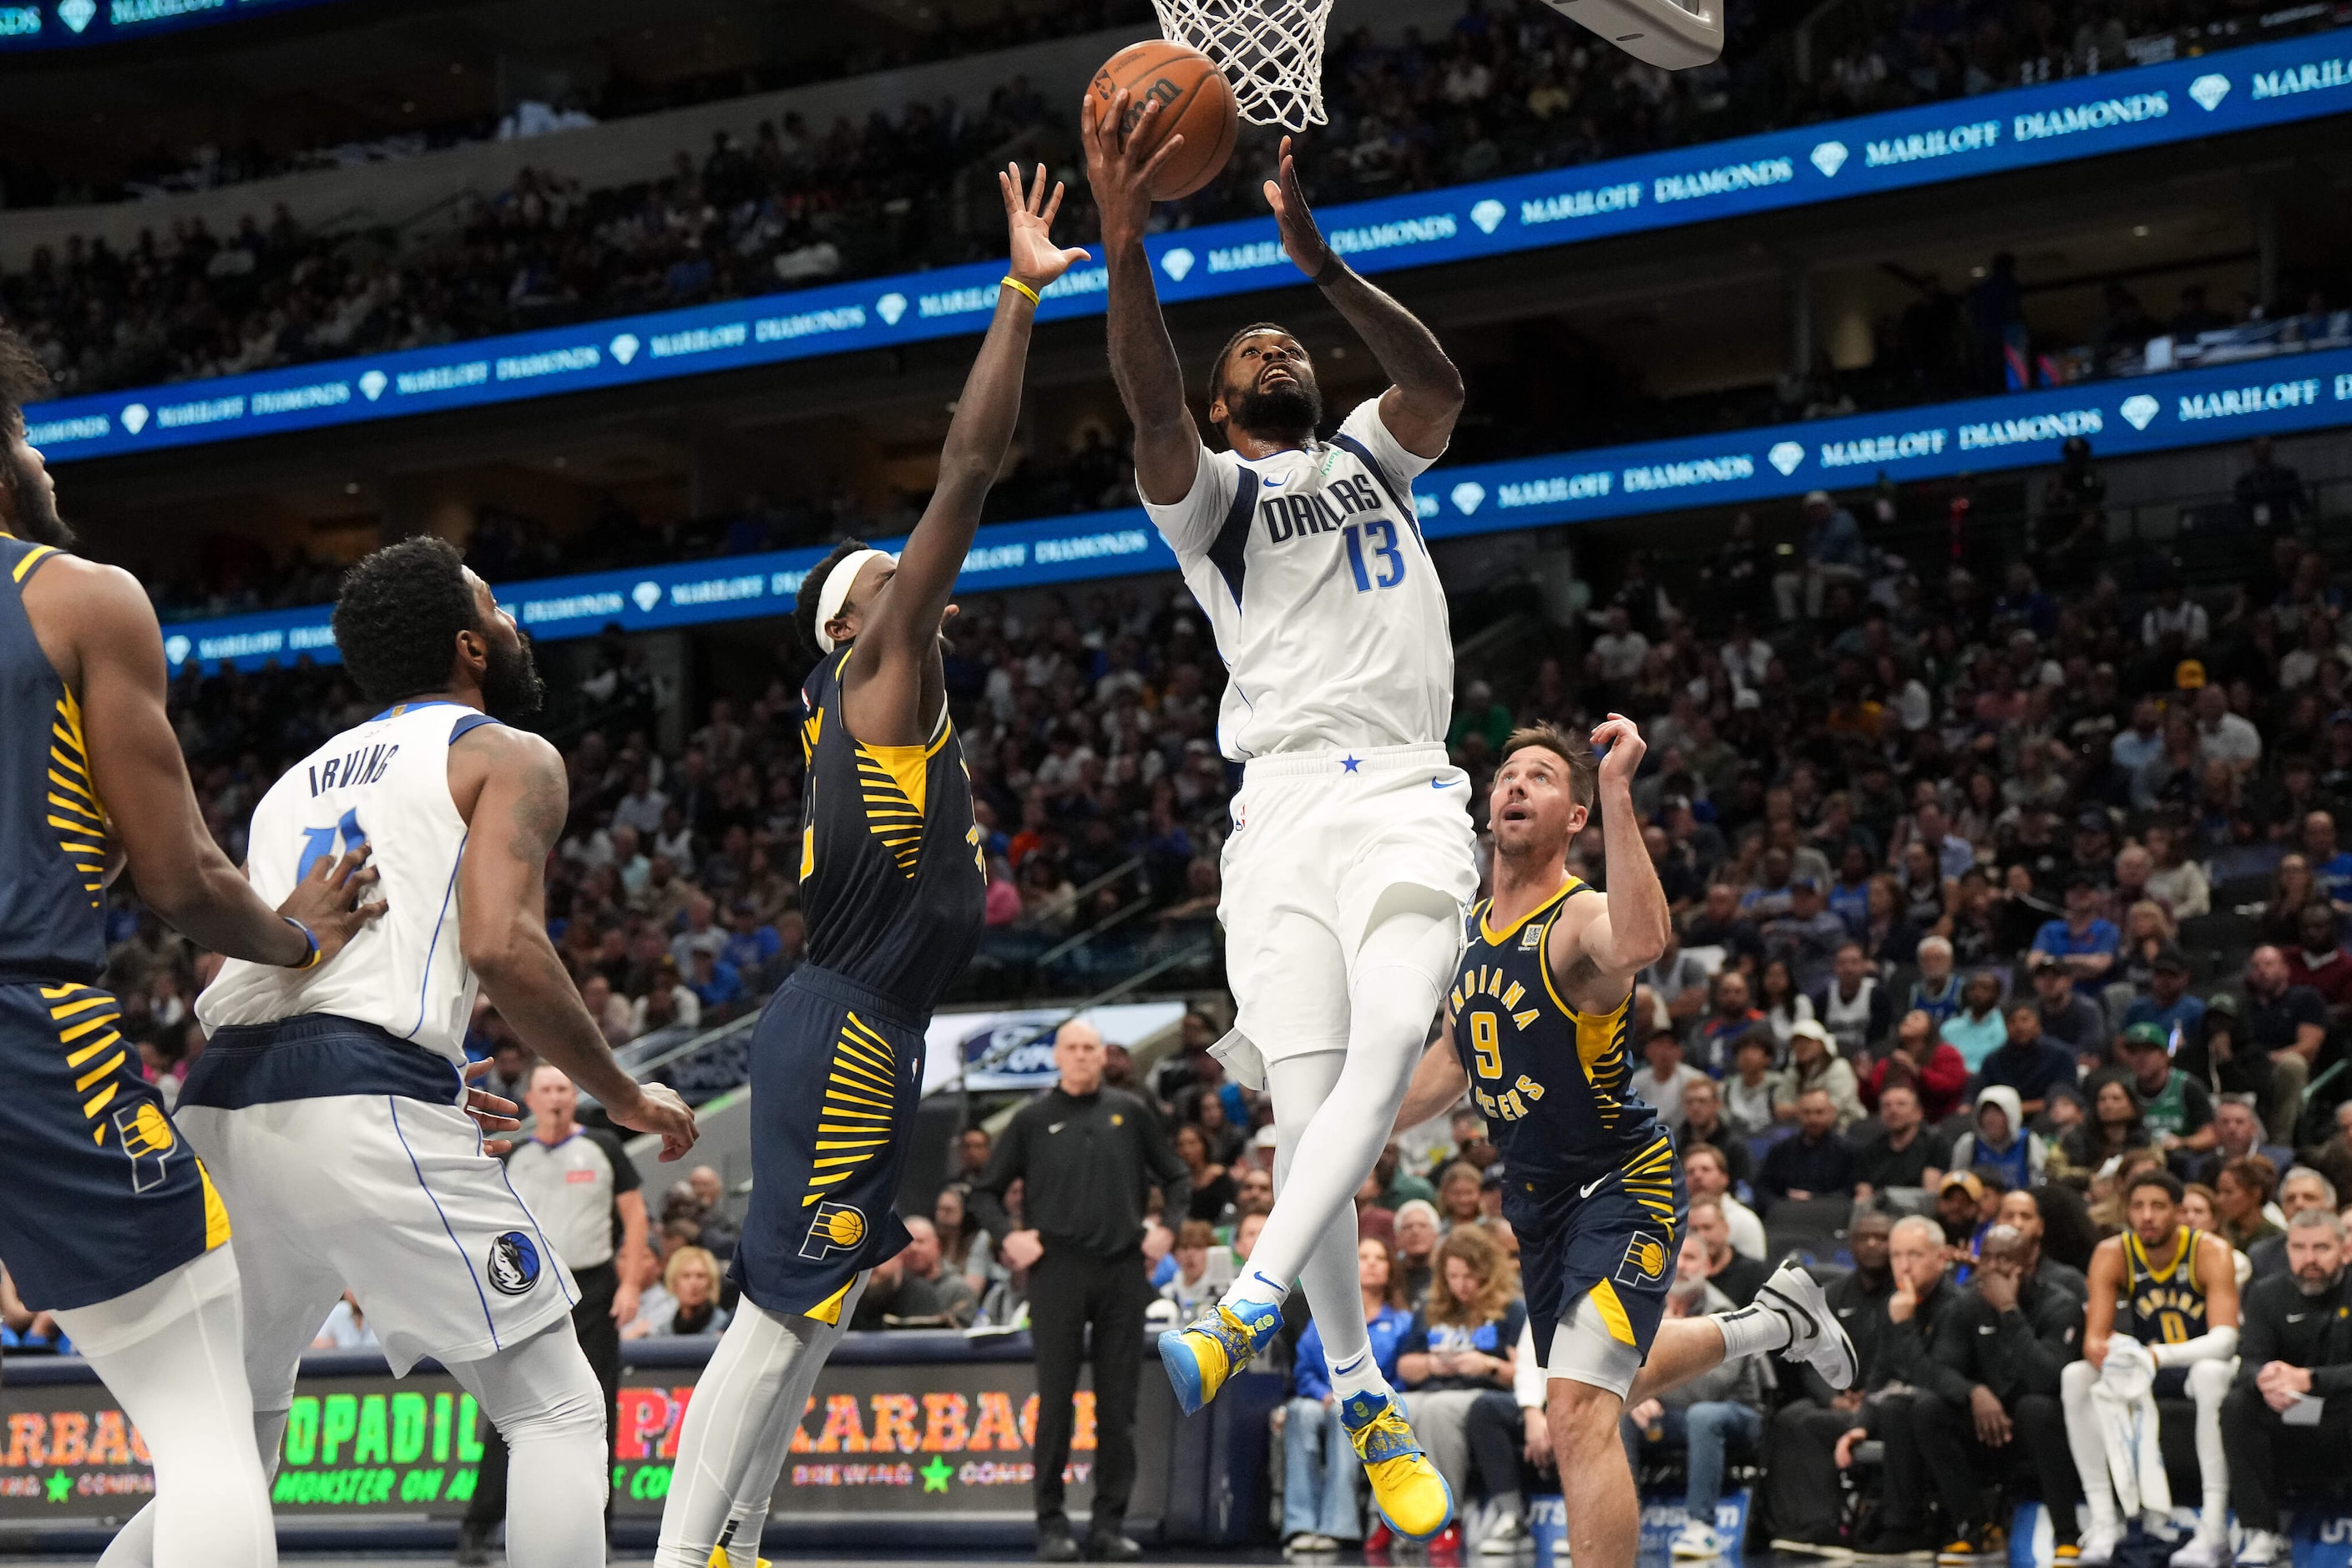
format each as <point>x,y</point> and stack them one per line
<point>836,1073</point>
<point>1609,1238</point>
<point>103,1196</point>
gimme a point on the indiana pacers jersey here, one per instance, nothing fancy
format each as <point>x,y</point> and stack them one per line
<point>892,879</point>
<point>1327,608</point>
<point>1591,1182</point>
<point>2162,1306</point>
<point>102,1194</point>
<point>384,784</point>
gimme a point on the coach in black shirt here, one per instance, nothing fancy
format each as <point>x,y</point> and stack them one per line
<point>2295,1345</point>
<point>1086,1156</point>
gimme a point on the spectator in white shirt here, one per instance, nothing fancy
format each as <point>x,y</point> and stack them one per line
<point>641,808</point>
<point>1659,1084</point>
<point>2174,612</point>
<point>1621,649</point>
<point>2224,736</point>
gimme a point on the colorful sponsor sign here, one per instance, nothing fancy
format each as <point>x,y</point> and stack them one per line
<point>27,25</point>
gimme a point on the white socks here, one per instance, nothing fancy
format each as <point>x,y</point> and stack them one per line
<point>543,1397</point>
<point>737,1425</point>
<point>2089,1449</point>
<point>173,1356</point>
<point>1753,1330</point>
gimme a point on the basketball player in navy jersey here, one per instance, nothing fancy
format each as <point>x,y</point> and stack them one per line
<point>892,881</point>
<point>1537,1030</point>
<point>110,1221</point>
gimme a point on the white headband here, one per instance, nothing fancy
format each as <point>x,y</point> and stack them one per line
<point>837,584</point>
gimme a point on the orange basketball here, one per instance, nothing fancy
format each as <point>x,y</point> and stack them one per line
<point>1195,100</point>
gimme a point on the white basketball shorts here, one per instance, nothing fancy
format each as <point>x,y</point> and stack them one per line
<point>391,1198</point>
<point>1323,845</point>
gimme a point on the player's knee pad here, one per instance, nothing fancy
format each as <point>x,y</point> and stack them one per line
<point>1584,1351</point>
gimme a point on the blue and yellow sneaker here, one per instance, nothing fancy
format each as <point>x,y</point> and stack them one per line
<point>1200,1359</point>
<point>1410,1493</point>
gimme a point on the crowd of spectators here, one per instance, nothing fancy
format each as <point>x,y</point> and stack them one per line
<point>1507,87</point>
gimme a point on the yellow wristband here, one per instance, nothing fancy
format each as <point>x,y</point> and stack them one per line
<point>1013,282</point>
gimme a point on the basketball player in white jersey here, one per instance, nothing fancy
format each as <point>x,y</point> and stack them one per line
<point>330,1105</point>
<point>1351,857</point>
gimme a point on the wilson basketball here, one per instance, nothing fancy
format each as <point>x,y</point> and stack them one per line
<point>1195,100</point>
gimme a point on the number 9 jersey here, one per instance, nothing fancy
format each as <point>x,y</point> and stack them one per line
<point>1311,568</point>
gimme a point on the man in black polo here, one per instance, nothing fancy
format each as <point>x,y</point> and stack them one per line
<point>1085,1156</point>
<point>1902,1151</point>
<point>582,1187</point>
<point>2291,1411</point>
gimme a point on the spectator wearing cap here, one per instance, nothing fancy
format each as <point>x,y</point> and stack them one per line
<point>1930,1067</point>
<point>2084,942</point>
<point>2173,1106</point>
<point>1808,936</point>
<point>2073,1020</point>
<point>2028,1063</point>
<point>2319,961</point>
<point>2285,1023</point>
<point>1833,551</point>
<point>1814,1162</point>
<point>1855,1006</point>
<point>2301,1189</point>
<point>2168,1007</point>
<point>1814,1063</point>
<point>1663,1077</point>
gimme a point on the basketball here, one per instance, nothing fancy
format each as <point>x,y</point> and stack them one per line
<point>1198,102</point>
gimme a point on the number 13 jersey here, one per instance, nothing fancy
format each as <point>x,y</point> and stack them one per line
<point>1328,611</point>
<point>384,784</point>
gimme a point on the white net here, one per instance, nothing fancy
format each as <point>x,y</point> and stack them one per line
<point>1271,51</point>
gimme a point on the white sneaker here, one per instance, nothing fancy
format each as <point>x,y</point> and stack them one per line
<point>2099,1543</point>
<point>1505,1538</point>
<point>2264,1549</point>
<point>1815,1336</point>
<point>1697,1539</point>
<point>2203,1550</point>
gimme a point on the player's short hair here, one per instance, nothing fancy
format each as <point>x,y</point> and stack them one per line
<point>2156,1176</point>
<point>398,616</point>
<point>22,379</point>
<point>1217,365</point>
<point>1584,769</point>
<point>812,589</point>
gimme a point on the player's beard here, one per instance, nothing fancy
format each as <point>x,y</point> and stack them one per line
<point>511,688</point>
<point>1293,409</point>
<point>32,510</point>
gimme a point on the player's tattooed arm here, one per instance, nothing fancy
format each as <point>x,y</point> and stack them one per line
<point>1142,359</point>
<point>1420,407</point>
<point>509,787</point>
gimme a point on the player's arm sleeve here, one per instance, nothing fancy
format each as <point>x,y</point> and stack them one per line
<point>1398,466</point>
<point>1191,525</point>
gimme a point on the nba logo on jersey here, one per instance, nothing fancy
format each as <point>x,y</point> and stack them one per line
<point>836,1228</point>
<point>514,1264</point>
<point>1645,1259</point>
<point>145,1134</point>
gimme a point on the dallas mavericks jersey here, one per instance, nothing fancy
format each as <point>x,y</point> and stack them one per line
<point>384,784</point>
<point>1552,1082</point>
<point>2162,1307</point>
<point>52,824</point>
<point>893,882</point>
<point>1311,568</point>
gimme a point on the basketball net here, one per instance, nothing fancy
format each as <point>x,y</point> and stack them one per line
<point>1270,50</point>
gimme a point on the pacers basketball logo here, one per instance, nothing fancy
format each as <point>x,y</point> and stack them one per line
<point>1646,1260</point>
<point>145,1133</point>
<point>837,1227</point>
<point>514,1264</point>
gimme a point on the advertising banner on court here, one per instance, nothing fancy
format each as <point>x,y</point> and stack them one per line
<point>2278,396</point>
<point>949,1437</point>
<point>992,1052</point>
<point>2267,84</point>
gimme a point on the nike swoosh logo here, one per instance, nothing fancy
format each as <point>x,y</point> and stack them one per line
<point>1586,1191</point>
<point>1055,1126</point>
<point>1277,483</point>
<point>1437,784</point>
<point>2296,1316</point>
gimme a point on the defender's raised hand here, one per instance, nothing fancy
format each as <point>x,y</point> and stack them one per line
<point>1302,241</point>
<point>1033,257</point>
<point>1118,169</point>
<point>1622,740</point>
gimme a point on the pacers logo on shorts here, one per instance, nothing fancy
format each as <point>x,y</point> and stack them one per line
<point>1646,1260</point>
<point>514,1264</point>
<point>145,1134</point>
<point>837,1227</point>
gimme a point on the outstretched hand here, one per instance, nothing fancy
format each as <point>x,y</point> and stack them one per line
<point>1035,259</point>
<point>1621,741</point>
<point>1302,241</point>
<point>1119,170</point>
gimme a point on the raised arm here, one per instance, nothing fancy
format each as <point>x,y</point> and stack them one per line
<point>1142,359</point>
<point>509,787</point>
<point>1420,408</point>
<point>1596,957</point>
<point>893,691</point>
<point>100,632</point>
